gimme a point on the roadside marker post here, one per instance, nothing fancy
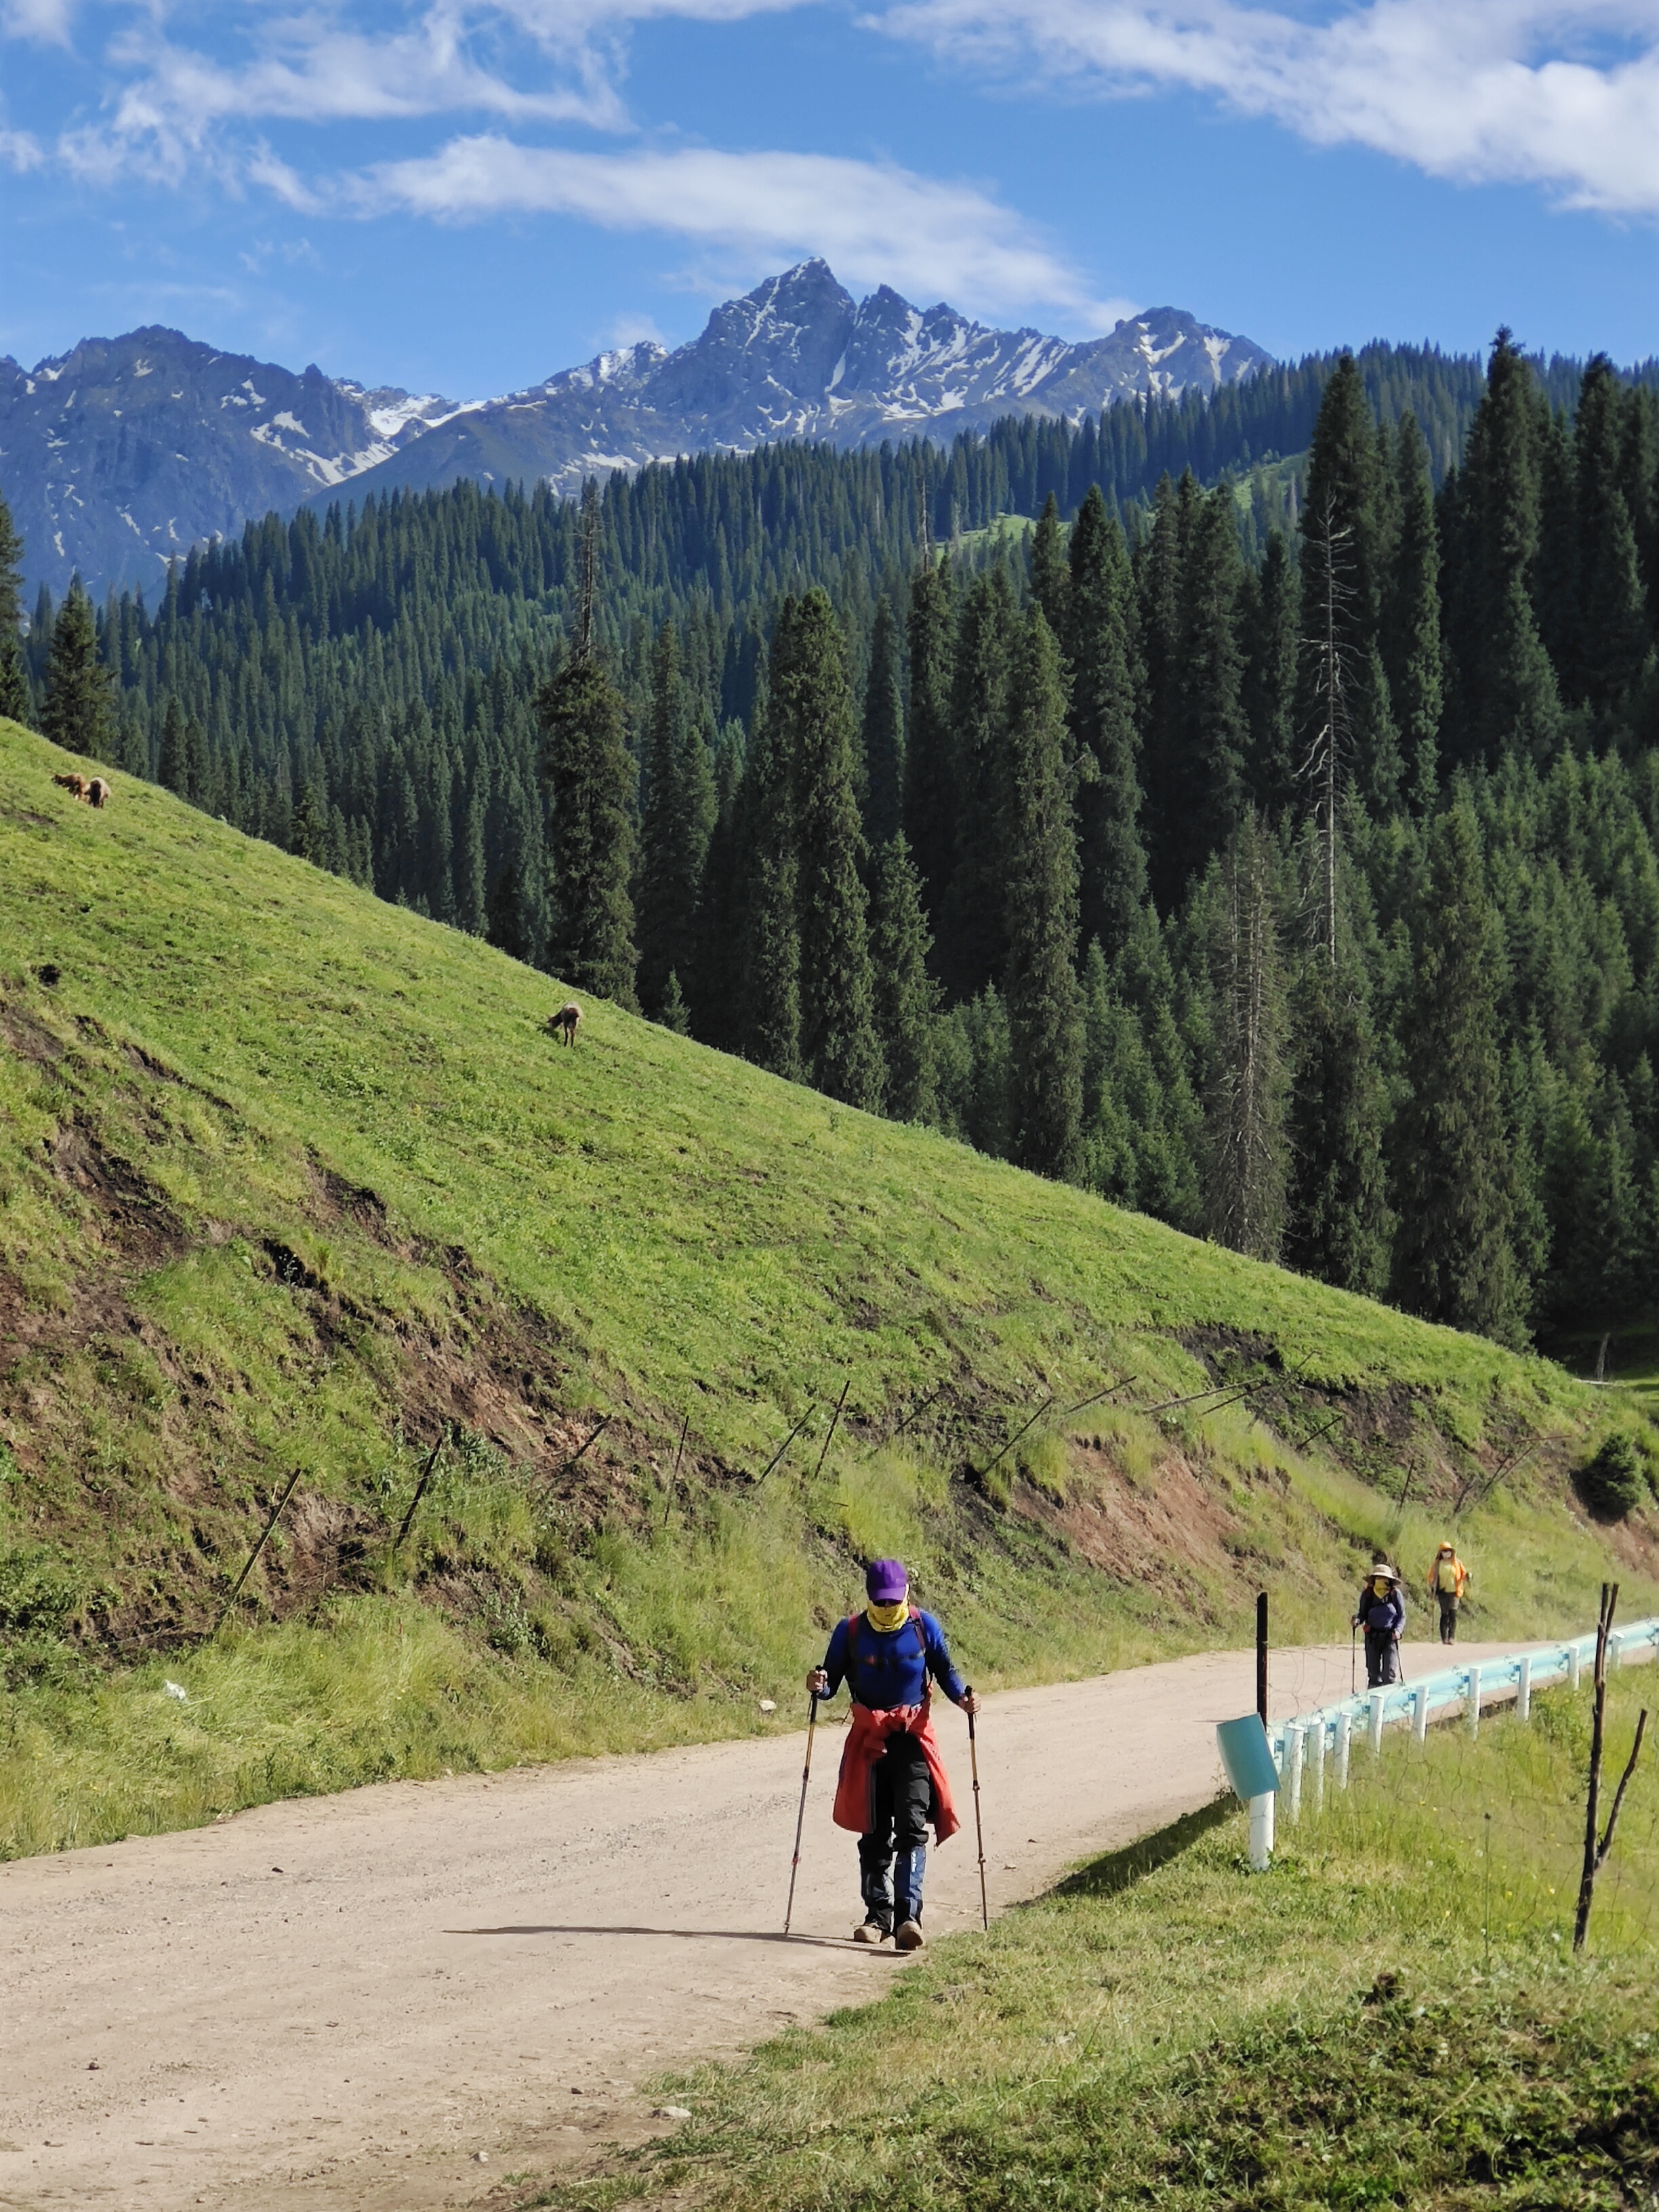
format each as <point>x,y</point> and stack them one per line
<point>1420,1714</point>
<point>1247,1757</point>
<point>1344,1742</point>
<point>1523,1688</point>
<point>1474,1701</point>
<point>1378,1699</point>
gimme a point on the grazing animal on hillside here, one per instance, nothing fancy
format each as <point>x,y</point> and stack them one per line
<point>97,791</point>
<point>564,1024</point>
<point>76,785</point>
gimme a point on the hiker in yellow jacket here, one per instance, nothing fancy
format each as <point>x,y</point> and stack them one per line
<point>1448,1578</point>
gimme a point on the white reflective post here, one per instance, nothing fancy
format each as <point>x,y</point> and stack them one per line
<point>1319,1765</point>
<point>1344,1738</point>
<point>1574,1663</point>
<point>1293,1761</point>
<point>1474,1701</point>
<point>1377,1702</point>
<point>1523,1689</point>
<point>1420,1715</point>
<point>1261,1832</point>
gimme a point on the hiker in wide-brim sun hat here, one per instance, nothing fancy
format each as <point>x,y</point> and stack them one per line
<point>892,1779</point>
<point>1381,1614</point>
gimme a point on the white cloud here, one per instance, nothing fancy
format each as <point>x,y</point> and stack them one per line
<point>1562,93</point>
<point>45,23</point>
<point>874,223</point>
<point>19,151</point>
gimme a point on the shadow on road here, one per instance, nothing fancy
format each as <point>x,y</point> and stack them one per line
<point>689,1934</point>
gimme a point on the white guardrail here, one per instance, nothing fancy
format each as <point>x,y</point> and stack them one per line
<point>1300,1745</point>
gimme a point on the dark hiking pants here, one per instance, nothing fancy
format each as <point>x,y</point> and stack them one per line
<point>1381,1659</point>
<point>1448,1615</point>
<point>901,1795</point>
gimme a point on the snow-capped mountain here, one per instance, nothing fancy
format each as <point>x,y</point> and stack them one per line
<point>129,450</point>
<point>798,358</point>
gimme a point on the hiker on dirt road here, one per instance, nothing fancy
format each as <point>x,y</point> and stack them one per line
<point>1382,1614</point>
<point>1448,1578</point>
<point>892,1779</point>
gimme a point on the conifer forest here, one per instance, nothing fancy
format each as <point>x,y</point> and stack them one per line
<point>1246,808</point>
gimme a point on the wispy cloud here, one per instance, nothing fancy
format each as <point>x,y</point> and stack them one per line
<point>874,223</point>
<point>1561,92</point>
<point>20,150</point>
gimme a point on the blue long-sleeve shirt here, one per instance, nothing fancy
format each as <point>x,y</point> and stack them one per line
<point>891,1668</point>
<point>1382,1616</point>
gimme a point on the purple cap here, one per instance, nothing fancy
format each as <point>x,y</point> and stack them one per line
<point>885,1581</point>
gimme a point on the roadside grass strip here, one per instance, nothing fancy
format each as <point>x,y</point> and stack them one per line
<point>1391,2016</point>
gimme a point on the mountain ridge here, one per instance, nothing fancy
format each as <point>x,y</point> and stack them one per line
<point>118,455</point>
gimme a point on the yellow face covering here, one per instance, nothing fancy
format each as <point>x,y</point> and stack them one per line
<point>1381,1587</point>
<point>887,1617</point>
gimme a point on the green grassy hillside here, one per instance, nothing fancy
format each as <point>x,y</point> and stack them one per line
<point>289,1179</point>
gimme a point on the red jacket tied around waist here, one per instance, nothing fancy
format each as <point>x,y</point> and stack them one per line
<point>866,1741</point>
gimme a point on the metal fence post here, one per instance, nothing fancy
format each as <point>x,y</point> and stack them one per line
<point>1293,1760</point>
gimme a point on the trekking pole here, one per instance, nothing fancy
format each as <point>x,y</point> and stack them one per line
<point>979,1826</point>
<point>794,1864</point>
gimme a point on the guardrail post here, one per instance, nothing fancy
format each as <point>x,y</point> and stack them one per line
<point>1261,1832</point>
<point>1319,1765</point>
<point>1293,1760</point>
<point>1344,1738</point>
<point>1378,1699</point>
<point>1420,1713</point>
<point>1474,1701</point>
<point>1575,1660</point>
<point>1523,1689</point>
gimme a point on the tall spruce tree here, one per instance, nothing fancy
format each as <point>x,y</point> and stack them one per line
<point>1411,653</point>
<point>678,820</point>
<point>812,723</point>
<point>1044,1004</point>
<point>769,983</point>
<point>590,781</point>
<point>1454,1259</point>
<point>1505,696</point>
<point>1211,731</point>
<point>1338,1226</point>
<point>1269,610</point>
<point>1051,576</point>
<point>1103,649</point>
<point>1344,527</point>
<point>929,751</point>
<point>79,709</point>
<point>1160,578</point>
<point>16,703</point>
<point>884,730</point>
<point>974,947</point>
<point>1612,642</point>
<point>906,993</point>
<point>1246,1152</point>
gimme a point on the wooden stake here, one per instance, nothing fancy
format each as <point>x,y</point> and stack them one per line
<point>236,1587</point>
<point>787,1441</point>
<point>420,1487</point>
<point>830,1430</point>
<point>1592,1857</point>
<point>673,1480</point>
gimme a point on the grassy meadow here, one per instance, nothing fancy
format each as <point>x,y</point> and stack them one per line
<point>1391,2015</point>
<point>293,1179</point>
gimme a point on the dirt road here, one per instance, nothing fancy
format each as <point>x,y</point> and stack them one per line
<point>341,2003</point>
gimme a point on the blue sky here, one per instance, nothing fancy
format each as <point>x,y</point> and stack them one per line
<point>463,196</point>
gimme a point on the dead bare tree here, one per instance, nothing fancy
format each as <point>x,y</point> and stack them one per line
<point>1327,568</point>
<point>1595,1850</point>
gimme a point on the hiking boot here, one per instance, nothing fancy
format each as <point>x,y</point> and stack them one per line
<point>908,1936</point>
<point>870,1932</point>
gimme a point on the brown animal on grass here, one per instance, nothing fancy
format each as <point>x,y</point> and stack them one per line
<point>97,791</point>
<point>75,784</point>
<point>564,1024</point>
